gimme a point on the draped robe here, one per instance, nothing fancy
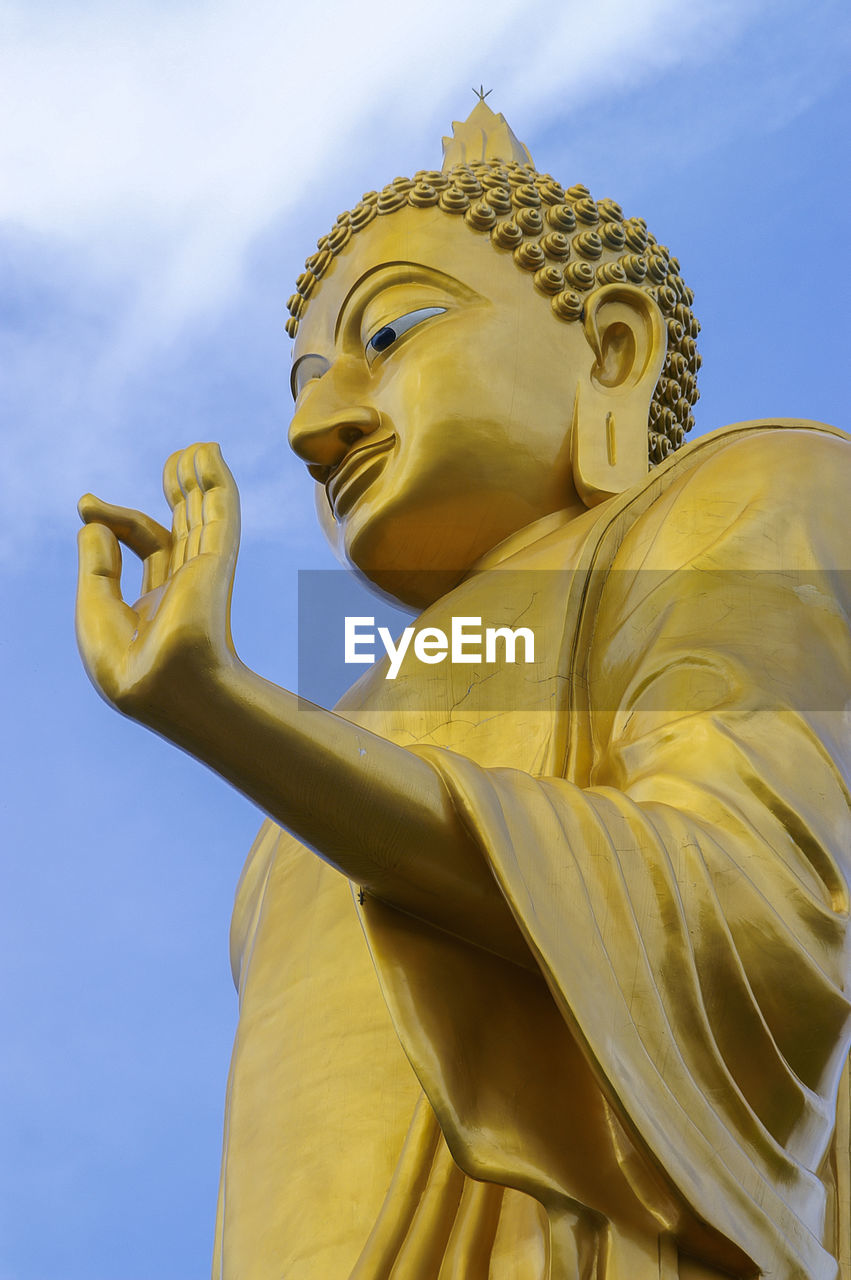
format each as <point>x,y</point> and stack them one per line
<point>663,800</point>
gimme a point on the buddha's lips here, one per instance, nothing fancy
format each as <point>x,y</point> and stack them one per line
<point>344,470</point>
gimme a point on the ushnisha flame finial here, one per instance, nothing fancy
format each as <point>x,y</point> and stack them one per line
<point>484,135</point>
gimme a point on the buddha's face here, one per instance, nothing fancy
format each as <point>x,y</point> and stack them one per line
<point>434,393</point>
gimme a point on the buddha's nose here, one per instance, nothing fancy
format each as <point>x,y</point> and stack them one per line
<point>323,440</point>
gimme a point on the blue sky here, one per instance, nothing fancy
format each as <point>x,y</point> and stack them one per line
<point>165,170</point>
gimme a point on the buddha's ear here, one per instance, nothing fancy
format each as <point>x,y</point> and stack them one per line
<point>627,335</point>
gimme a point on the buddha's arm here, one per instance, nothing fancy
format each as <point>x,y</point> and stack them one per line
<point>378,813</point>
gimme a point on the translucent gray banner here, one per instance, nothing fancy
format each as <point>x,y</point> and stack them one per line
<point>681,640</point>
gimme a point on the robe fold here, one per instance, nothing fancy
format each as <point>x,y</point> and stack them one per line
<point>663,800</point>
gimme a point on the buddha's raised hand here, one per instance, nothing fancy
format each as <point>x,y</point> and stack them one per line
<point>152,658</point>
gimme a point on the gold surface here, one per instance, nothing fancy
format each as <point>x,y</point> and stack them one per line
<point>575,1008</point>
<point>566,242</point>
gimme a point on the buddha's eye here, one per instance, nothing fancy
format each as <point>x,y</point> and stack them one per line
<point>389,333</point>
<point>305,370</point>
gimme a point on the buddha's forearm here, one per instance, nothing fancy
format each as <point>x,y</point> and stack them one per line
<point>377,812</point>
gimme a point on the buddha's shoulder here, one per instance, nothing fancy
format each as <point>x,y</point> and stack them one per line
<point>778,464</point>
<point>748,493</point>
<point>780,458</point>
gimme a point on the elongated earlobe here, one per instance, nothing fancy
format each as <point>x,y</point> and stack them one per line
<point>627,334</point>
<point>604,460</point>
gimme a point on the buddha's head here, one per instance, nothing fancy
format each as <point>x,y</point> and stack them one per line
<point>476,349</point>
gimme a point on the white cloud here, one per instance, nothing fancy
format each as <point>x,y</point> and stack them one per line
<point>164,138</point>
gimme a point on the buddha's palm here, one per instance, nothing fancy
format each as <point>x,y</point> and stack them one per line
<point>151,658</point>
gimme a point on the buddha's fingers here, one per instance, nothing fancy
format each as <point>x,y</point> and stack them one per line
<point>176,499</point>
<point>220,508</point>
<point>140,534</point>
<point>105,624</point>
<point>205,504</point>
<point>192,500</point>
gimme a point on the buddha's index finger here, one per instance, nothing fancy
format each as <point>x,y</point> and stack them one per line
<point>138,531</point>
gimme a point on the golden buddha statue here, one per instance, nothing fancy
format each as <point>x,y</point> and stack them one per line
<point>563,995</point>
